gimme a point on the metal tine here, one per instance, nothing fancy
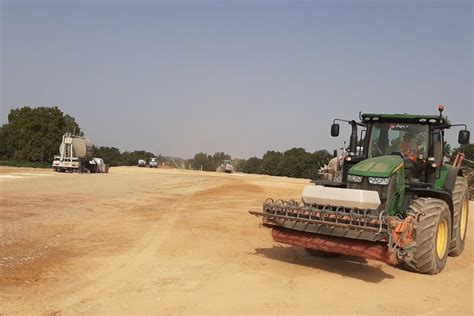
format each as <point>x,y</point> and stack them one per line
<point>358,216</point>
<point>324,212</point>
<point>314,212</point>
<point>380,221</point>
<point>318,222</point>
<point>365,217</point>
<point>351,212</point>
<point>269,201</point>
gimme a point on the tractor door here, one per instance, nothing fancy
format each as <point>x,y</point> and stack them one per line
<point>436,153</point>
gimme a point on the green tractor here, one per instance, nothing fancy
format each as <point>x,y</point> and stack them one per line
<point>397,202</point>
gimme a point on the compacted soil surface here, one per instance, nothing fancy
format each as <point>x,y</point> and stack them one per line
<point>155,241</point>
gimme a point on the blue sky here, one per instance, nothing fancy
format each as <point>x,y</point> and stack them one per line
<point>241,77</point>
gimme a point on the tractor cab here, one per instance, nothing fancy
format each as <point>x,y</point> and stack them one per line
<point>417,139</point>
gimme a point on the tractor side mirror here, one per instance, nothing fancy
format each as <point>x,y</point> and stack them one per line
<point>334,130</point>
<point>463,137</point>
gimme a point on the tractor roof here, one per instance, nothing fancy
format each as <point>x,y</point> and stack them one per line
<point>436,120</point>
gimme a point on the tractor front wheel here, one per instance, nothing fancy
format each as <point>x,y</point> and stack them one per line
<point>432,236</point>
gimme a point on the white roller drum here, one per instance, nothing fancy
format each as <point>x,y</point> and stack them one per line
<point>350,198</point>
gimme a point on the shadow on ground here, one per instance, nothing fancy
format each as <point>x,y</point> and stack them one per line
<point>352,267</point>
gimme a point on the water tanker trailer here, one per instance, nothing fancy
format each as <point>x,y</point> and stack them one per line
<point>75,155</point>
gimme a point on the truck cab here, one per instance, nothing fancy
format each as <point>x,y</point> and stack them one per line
<point>153,163</point>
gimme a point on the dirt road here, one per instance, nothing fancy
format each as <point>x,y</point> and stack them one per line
<point>147,241</point>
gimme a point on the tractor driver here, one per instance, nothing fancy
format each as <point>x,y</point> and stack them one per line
<point>409,147</point>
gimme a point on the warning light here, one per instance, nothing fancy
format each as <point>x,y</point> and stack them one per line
<point>440,109</point>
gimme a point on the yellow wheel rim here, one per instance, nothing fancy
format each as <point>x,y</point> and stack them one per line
<point>442,238</point>
<point>464,219</point>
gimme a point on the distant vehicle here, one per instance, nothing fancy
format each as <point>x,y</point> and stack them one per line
<point>141,163</point>
<point>75,155</point>
<point>226,167</point>
<point>153,163</point>
<point>97,165</point>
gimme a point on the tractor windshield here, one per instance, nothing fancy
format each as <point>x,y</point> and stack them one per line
<point>391,138</point>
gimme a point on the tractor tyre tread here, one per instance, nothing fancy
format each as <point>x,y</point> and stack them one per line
<point>425,259</point>
<point>460,192</point>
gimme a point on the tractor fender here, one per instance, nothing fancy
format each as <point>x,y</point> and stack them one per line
<point>437,194</point>
<point>450,180</point>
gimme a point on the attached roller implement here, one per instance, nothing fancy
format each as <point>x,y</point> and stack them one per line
<point>396,202</point>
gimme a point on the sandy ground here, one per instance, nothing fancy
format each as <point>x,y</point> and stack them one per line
<point>142,241</point>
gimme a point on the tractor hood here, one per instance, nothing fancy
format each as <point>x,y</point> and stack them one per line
<point>383,166</point>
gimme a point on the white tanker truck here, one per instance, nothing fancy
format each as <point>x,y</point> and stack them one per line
<point>75,155</point>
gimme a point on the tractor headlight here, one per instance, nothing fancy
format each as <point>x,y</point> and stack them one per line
<point>379,181</point>
<point>352,178</point>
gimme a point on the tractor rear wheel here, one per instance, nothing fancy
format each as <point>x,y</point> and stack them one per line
<point>321,253</point>
<point>461,211</point>
<point>432,236</point>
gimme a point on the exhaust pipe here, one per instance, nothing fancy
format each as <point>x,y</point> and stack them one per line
<point>345,246</point>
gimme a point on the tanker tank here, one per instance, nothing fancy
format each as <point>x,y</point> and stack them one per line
<point>81,147</point>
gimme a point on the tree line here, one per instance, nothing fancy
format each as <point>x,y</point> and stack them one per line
<point>35,134</point>
<point>205,162</point>
<point>295,163</point>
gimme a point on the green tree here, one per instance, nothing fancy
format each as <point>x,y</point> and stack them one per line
<point>208,162</point>
<point>218,158</point>
<point>271,162</point>
<point>34,134</point>
<point>111,155</point>
<point>317,160</point>
<point>252,165</point>
<point>203,161</point>
<point>3,144</point>
<point>294,162</point>
<point>238,164</point>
